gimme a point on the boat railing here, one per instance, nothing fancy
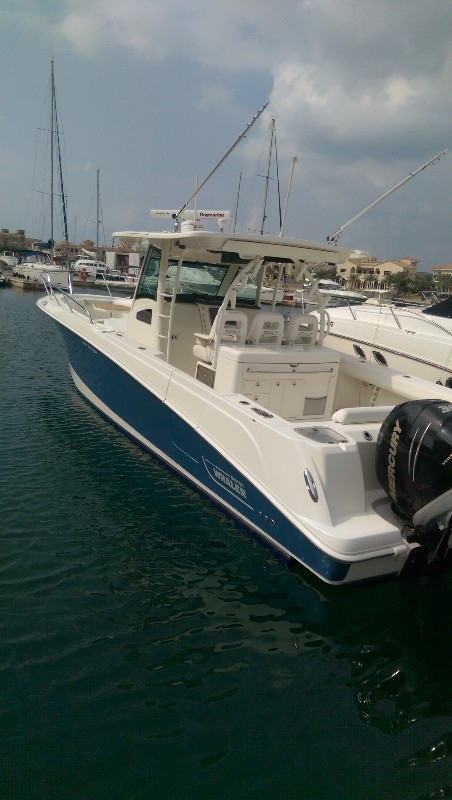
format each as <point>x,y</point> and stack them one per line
<point>304,272</point>
<point>429,321</point>
<point>207,344</point>
<point>67,296</point>
<point>396,319</point>
<point>399,322</point>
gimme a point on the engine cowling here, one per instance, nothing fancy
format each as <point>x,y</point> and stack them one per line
<point>414,454</point>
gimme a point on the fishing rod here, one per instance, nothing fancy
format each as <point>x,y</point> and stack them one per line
<point>335,236</point>
<point>219,163</point>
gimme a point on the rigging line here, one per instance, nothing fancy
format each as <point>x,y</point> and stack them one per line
<point>294,161</point>
<point>237,203</point>
<point>267,176</point>
<point>101,220</point>
<point>279,201</point>
<point>63,199</point>
<point>52,134</point>
<point>60,167</point>
<point>88,217</point>
<point>55,135</point>
<point>37,214</point>
<point>277,183</point>
<point>99,214</point>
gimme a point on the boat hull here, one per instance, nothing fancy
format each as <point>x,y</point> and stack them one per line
<point>152,422</point>
<point>280,431</point>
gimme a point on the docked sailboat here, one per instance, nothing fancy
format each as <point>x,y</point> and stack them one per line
<point>308,447</point>
<point>34,264</point>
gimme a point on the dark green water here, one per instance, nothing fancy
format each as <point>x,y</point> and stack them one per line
<point>151,649</point>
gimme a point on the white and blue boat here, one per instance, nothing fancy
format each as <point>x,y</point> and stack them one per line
<point>340,465</point>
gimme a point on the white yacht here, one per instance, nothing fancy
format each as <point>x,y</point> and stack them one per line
<point>88,268</point>
<point>8,260</point>
<point>413,339</point>
<point>341,465</point>
<point>34,265</point>
<point>336,293</point>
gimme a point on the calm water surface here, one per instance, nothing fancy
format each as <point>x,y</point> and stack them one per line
<point>150,648</point>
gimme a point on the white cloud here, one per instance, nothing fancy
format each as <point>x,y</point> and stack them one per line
<point>361,90</point>
<point>356,64</point>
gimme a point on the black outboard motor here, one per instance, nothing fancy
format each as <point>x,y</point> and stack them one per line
<point>414,467</point>
<point>414,454</point>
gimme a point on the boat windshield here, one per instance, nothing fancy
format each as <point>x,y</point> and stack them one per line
<point>331,285</point>
<point>199,281</point>
<point>35,257</point>
<point>441,309</point>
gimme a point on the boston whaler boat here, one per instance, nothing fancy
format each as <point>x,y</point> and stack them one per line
<point>342,465</point>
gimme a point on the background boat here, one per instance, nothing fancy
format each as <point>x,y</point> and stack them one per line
<point>414,339</point>
<point>33,264</point>
<point>337,294</point>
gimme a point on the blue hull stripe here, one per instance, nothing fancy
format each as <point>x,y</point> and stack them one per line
<point>183,448</point>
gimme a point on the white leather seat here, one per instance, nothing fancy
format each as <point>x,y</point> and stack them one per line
<point>229,327</point>
<point>301,329</point>
<point>266,328</point>
<point>361,414</point>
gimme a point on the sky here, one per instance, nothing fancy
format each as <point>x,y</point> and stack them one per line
<point>151,95</point>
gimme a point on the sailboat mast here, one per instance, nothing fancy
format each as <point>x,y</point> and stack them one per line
<point>55,155</point>
<point>237,203</point>
<point>294,161</point>
<point>52,129</point>
<point>267,177</point>
<point>97,217</point>
<point>278,183</point>
<point>60,167</point>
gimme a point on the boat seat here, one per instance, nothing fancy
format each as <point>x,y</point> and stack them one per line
<point>229,327</point>
<point>301,329</point>
<point>350,416</point>
<point>267,327</point>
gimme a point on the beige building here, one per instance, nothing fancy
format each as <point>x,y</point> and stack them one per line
<point>13,241</point>
<point>444,271</point>
<point>366,271</point>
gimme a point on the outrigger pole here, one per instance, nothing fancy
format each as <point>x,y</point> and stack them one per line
<point>228,152</point>
<point>335,236</point>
